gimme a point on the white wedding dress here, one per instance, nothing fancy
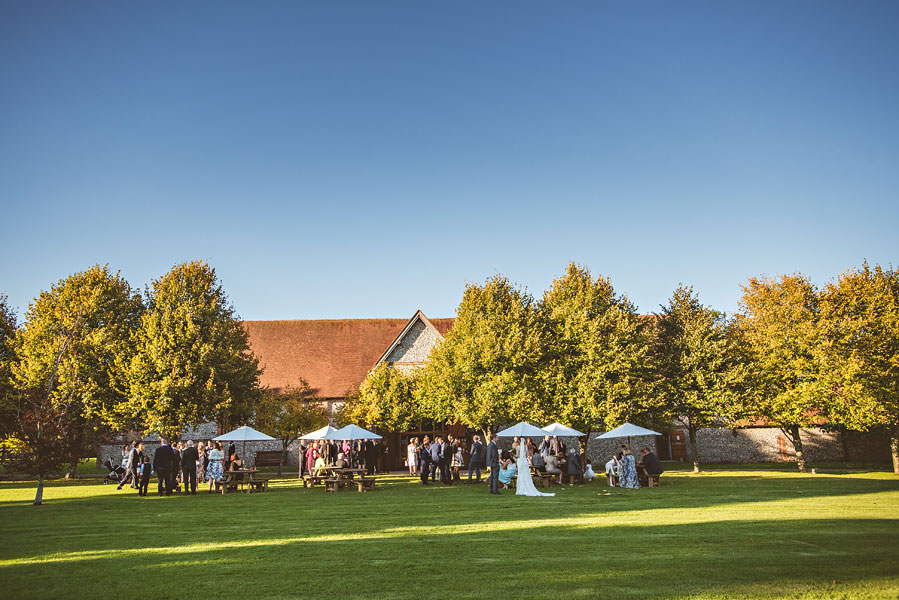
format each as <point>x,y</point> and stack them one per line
<point>525,485</point>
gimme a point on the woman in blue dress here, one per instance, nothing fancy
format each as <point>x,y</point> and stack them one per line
<point>627,471</point>
<point>507,469</point>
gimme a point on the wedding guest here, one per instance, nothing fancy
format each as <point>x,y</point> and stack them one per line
<point>341,462</point>
<point>551,465</point>
<point>319,468</point>
<point>507,469</point>
<point>574,466</point>
<point>201,461</point>
<point>131,466</point>
<point>612,468</point>
<point>235,464</point>
<point>627,471</point>
<point>412,456</point>
<point>537,461</point>
<point>424,459</point>
<point>310,457</point>
<point>435,457</point>
<point>457,461</point>
<point>474,460</point>
<point>189,459</point>
<point>146,471</point>
<point>589,474</point>
<point>215,467</point>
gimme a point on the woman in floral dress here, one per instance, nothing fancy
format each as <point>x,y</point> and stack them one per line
<point>215,471</point>
<point>627,471</point>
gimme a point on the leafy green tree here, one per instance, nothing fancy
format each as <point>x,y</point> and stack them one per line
<point>45,437</point>
<point>193,362</point>
<point>700,372</point>
<point>386,399</point>
<point>8,328</point>
<point>69,348</point>
<point>484,374</point>
<point>778,323</point>
<point>860,319</point>
<point>288,414</point>
<point>595,345</point>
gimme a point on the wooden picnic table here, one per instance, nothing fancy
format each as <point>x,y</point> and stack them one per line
<point>234,480</point>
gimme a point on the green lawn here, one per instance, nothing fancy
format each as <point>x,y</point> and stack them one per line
<point>721,534</point>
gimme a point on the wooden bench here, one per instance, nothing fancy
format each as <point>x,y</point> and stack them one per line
<point>257,485</point>
<point>365,484</point>
<point>332,484</point>
<point>268,458</point>
<point>313,480</point>
<point>652,480</point>
<point>543,479</point>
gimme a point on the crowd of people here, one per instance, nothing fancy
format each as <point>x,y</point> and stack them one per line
<point>444,459</point>
<point>183,464</point>
<point>362,454</point>
<point>175,465</point>
<point>624,470</point>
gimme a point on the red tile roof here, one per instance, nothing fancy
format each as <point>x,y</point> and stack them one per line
<point>333,356</point>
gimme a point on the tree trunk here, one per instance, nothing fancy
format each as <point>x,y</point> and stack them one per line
<point>844,442</point>
<point>283,460</point>
<point>39,496</point>
<point>691,431</point>
<point>894,449</point>
<point>797,447</point>
<point>70,473</point>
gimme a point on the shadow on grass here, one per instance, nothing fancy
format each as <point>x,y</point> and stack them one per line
<point>757,558</point>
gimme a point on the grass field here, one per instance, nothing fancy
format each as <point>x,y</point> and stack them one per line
<point>722,534</point>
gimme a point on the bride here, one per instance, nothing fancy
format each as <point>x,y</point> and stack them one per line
<point>525,485</point>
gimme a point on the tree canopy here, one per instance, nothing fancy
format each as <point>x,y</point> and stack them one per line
<point>699,372</point>
<point>485,371</point>
<point>192,361</point>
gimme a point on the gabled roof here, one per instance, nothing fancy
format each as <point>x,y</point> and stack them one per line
<point>332,355</point>
<point>418,316</point>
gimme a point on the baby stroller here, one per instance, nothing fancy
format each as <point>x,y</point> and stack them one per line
<point>115,473</point>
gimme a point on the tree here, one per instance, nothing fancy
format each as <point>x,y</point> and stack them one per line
<point>8,329</point>
<point>860,320</point>
<point>595,350</point>
<point>387,399</point>
<point>484,373</point>
<point>71,345</point>
<point>192,362</point>
<point>289,414</point>
<point>44,439</point>
<point>778,323</point>
<point>698,368</point>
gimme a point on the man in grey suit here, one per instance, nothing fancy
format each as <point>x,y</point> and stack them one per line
<point>474,463</point>
<point>493,463</point>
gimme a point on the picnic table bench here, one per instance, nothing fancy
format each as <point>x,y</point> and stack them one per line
<point>242,480</point>
<point>310,480</point>
<point>365,484</point>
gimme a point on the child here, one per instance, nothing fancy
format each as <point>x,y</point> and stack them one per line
<point>146,470</point>
<point>589,474</point>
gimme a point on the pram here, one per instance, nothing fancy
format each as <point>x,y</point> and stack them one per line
<point>115,472</point>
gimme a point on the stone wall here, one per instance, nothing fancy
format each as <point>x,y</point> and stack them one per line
<point>769,444</point>
<point>414,348</point>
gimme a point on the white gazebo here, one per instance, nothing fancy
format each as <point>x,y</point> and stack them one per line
<point>628,430</point>
<point>244,434</point>
<point>522,429</point>
<point>558,429</point>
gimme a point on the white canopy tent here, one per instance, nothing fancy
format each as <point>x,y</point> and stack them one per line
<point>558,429</point>
<point>244,434</point>
<point>522,430</point>
<point>628,430</point>
<point>352,432</point>
<point>318,434</point>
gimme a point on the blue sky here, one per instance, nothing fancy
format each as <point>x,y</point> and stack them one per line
<point>363,159</point>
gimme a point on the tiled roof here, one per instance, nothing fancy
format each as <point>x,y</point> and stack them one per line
<point>333,355</point>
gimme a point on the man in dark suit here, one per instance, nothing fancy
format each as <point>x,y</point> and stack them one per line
<point>474,461</point>
<point>493,464</point>
<point>162,463</point>
<point>446,455</point>
<point>435,457</point>
<point>176,467</point>
<point>651,462</point>
<point>130,465</point>
<point>189,458</point>
<point>424,458</point>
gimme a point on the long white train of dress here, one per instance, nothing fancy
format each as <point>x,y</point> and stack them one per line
<point>525,485</point>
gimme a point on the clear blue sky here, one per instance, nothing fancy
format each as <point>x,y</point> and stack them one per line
<point>360,159</point>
